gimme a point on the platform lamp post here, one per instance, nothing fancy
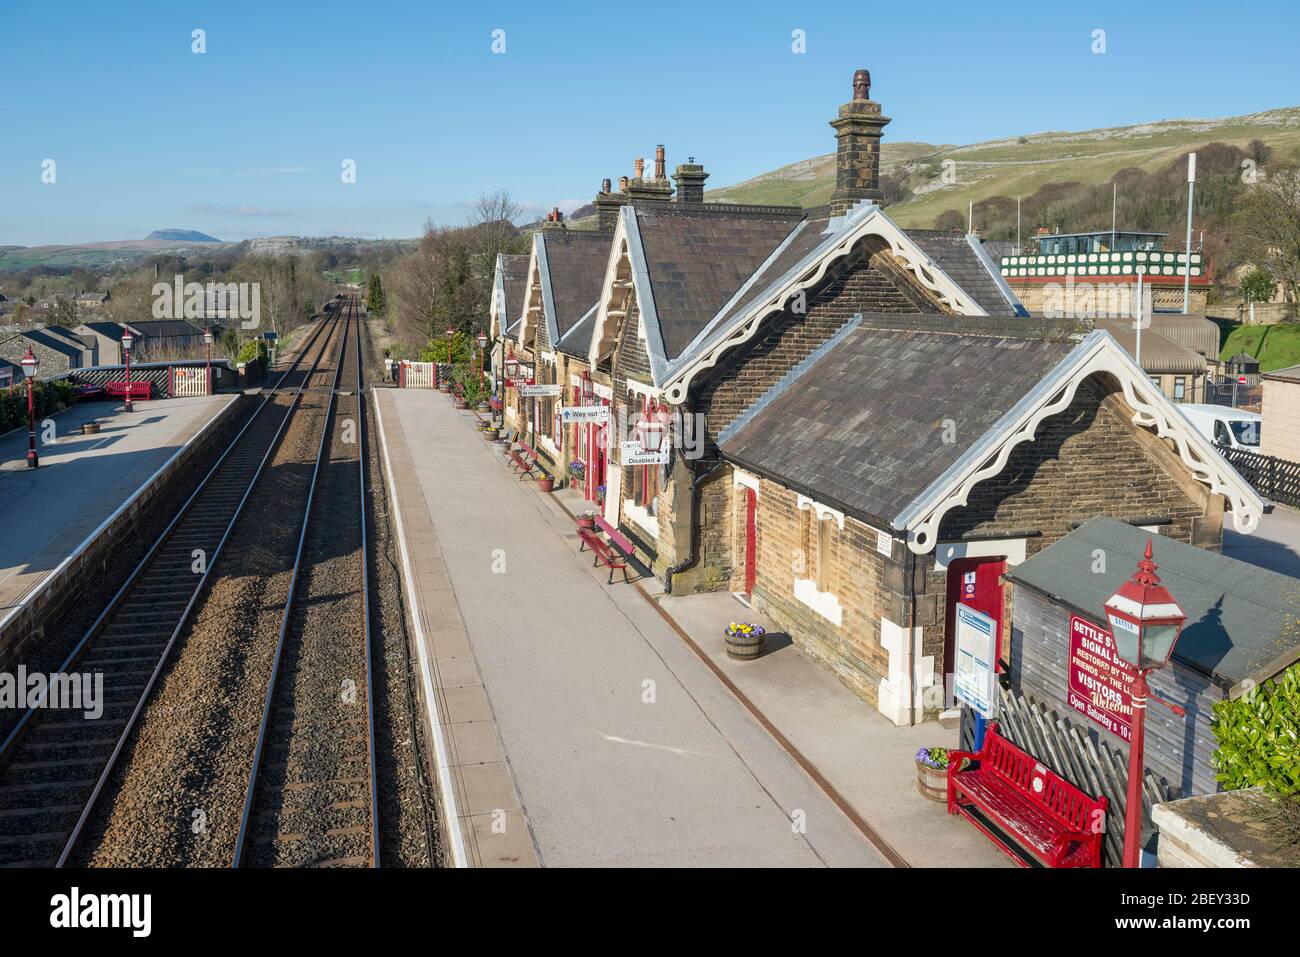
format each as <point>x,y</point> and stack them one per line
<point>207,342</point>
<point>482,347</point>
<point>451,334</point>
<point>127,340</point>
<point>1145,622</point>
<point>30,366</point>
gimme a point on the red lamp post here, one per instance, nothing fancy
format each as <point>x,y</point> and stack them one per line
<point>126,352</point>
<point>207,342</point>
<point>30,365</point>
<point>482,346</point>
<point>1145,622</point>
<point>652,428</point>
<point>451,334</point>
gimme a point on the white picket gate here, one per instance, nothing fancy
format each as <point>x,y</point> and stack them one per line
<point>418,375</point>
<point>189,381</point>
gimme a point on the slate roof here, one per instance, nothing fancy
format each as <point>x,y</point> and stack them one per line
<point>1290,374</point>
<point>861,428</point>
<point>110,329</point>
<point>1242,620</point>
<point>575,266</point>
<point>166,328</point>
<point>577,341</point>
<point>958,255</point>
<point>53,341</point>
<point>514,276</point>
<point>698,257</point>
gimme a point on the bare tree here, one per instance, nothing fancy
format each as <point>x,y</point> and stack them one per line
<point>1267,228</point>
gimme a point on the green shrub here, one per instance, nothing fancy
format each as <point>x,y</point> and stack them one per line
<point>48,398</point>
<point>253,349</point>
<point>1259,736</point>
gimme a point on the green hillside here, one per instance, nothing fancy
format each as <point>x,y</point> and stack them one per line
<point>1018,166</point>
<point>1276,347</point>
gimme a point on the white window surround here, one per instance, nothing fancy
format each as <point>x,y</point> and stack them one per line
<point>823,602</point>
<point>741,478</point>
<point>945,553</point>
<point>642,516</point>
<point>906,663</point>
<point>819,510</point>
<point>548,358</point>
<point>604,391</point>
<point>545,442</point>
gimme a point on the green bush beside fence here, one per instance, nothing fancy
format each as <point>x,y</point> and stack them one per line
<point>1259,736</point>
<point>50,397</point>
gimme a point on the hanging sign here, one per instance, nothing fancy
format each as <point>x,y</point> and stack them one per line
<point>631,453</point>
<point>585,413</point>
<point>1100,681</point>
<point>976,645</point>
<point>539,391</point>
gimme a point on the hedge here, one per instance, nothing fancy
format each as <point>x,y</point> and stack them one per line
<point>1259,736</point>
<point>49,397</point>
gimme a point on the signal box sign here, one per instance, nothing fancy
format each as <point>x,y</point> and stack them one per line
<point>1100,682</point>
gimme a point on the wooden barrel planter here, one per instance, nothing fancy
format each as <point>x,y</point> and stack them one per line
<point>932,782</point>
<point>90,428</point>
<point>490,434</point>
<point>746,647</point>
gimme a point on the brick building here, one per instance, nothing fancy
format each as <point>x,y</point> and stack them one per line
<point>918,457</point>
<point>704,306</point>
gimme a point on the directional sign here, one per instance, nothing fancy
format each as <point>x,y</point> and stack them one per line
<point>539,391</point>
<point>585,413</point>
<point>631,453</point>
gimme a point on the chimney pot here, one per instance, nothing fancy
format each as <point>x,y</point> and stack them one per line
<point>605,186</point>
<point>660,172</point>
<point>862,85</point>
<point>638,168</point>
<point>622,183</point>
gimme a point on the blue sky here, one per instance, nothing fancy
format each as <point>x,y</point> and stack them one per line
<point>248,138</point>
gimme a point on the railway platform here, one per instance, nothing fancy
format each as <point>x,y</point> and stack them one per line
<point>573,726</point>
<point>46,514</point>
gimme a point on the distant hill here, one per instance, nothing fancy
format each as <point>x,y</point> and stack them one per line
<point>182,235</point>
<point>1018,166</point>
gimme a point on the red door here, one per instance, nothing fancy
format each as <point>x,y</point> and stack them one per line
<point>974,582</point>
<point>751,539</point>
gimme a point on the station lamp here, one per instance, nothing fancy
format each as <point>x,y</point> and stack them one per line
<point>31,365</point>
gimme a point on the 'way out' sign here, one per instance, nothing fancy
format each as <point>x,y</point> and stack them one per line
<point>584,413</point>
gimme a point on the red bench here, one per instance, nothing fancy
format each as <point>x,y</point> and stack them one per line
<point>139,388</point>
<point>1034,815</point>
<point>604,554</point>
<point>524,461</point>
<point>616,538</point>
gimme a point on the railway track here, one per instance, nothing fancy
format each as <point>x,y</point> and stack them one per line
<point>55,762</point>
<point>311,798</point>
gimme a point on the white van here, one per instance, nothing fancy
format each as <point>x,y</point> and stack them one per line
<point>1224,425</point>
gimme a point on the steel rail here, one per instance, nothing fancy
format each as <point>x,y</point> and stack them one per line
<point>259,750</point>
<point>365,605</point>
<point>73,839</point>
<point>11,741</point>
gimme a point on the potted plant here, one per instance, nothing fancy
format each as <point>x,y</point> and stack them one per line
<point>587,519</point>
<point>744,640</point>
<point>932,773</point>
<point>577,468</point>
<point>545,484</point>
<point>600,495</point>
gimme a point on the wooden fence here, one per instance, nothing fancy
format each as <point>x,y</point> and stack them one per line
<point>1087,762</point>
<point>1276,479</point>
<point>417,375</point>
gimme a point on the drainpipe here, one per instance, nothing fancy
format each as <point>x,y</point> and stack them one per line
<point>693,554</point>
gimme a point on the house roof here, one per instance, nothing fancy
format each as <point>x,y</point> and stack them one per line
<point>861,429</point>
<point>1160,354</point>
<point>110,329</point>
<point>799,262</point>
<point>697,258</point>
<point>1289,374</point>
<point>963,257</point>
<point>511,281</point>
<point>1243,621</point>
<point>53,341</point>
<point>166,328</point>
<point>572,268</point>
<point>65,335</point>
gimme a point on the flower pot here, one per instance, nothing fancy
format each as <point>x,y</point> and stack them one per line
<point>545,484</point>
<point>585,522</point>
<point>482,406</point>
<point>90,428</point>
<point>932,783</point>
<point>490,434</point>
<point>444,386</point>
<point>744,647</point>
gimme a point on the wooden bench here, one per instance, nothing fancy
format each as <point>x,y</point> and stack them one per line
<point>139,388</point>
<point>604,554</point>
<point>1033,814</point>
<point>616,538</point>
<point>523,463</point>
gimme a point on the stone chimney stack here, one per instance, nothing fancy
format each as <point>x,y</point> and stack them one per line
<point>607,204</point>
<point>554,219</point>
<point>657,187</point>
<point>690,177</point>
<point>858,129</point>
